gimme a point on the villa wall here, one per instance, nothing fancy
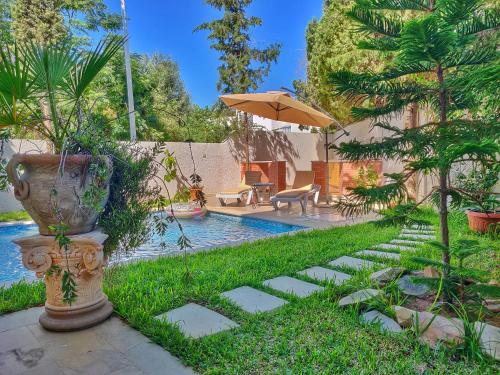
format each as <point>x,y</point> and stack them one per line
<point>219,164</point>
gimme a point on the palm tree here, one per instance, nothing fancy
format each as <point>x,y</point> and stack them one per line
<point>41,87</point>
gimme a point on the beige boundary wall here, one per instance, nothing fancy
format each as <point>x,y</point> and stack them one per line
<point>218,163</point>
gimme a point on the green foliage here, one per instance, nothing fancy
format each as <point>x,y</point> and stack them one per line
<point>243,66</point>
<point>38,21</point>
<point>332,45</point>
<point>14,216</point>
<point>48,22</point>
<point>366,177</point>
<point>477,186</point>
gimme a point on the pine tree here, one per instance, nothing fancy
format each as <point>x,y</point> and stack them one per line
<point>243,67</point>
<point>38,21</point>
<point>443,55</point>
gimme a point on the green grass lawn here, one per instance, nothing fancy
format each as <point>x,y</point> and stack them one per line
<point>307,336</point>
<point>14,216</point>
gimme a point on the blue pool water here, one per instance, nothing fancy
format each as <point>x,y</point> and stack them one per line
<point>211,231</point>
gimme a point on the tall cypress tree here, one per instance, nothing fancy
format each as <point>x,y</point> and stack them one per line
<point>243,67</point>
<point>444,56</point>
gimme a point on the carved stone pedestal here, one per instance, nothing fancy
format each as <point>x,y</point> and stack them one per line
<point>85,260</point>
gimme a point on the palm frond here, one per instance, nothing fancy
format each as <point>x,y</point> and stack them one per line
<point>90,65</point>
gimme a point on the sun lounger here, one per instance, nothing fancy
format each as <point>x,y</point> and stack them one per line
<point>303,187</point>
<point>245,189</point>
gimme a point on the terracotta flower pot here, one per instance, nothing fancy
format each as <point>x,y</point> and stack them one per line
<point>50,196</point>
<point>479,221</point>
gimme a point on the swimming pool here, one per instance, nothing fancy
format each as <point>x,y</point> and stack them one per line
<point>212,231</point>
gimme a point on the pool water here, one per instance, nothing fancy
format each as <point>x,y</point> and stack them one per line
<point>211,231</point>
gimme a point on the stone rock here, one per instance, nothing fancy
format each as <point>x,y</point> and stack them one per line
<point>404,316</point>
<point>354,263</point>
<point>434,329</point>
<point>431,273</point>
<point>386,275</point>
<point>492,304</point>
<point>325,274</point>
<point>411,288</point>
<point>386,323</point>
<point>489,339</point>
<point>393,247</point>
<point>359,297</point>
<point>417,236</point>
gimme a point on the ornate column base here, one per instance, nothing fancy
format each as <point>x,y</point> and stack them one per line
<point>84,261</point>
<point>75,319</point>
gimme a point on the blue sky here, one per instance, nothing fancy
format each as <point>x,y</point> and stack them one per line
<point>166,26</point>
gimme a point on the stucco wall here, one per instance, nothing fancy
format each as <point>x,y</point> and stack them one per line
<point>218,164</point>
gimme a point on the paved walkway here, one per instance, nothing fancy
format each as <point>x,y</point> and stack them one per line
<point>109,348</point>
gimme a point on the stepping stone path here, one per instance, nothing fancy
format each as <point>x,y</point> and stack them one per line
<point>290,285</point>
<point>407,242</point>
<point>393,246</point>
<point>386,323</point>
<point>381,254</point>
<point>325,274</point>
<point>415,231</point>
<point>386,275</point>
<point>411,288</point>
<point>197,321</point>
<point>359,297</point>
<point>252,300</point>
<point>354,263</point>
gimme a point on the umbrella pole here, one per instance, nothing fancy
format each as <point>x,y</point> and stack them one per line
<point>327,173</point>
<point>247,140</point>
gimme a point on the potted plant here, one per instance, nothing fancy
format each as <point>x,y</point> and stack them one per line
<point>42,90</point>
<point>482,204</point>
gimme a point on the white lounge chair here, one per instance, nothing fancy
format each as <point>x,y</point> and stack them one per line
<point>303,187</point>
<point>245,189</point>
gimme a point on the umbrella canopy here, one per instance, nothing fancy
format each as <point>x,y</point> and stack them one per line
<point>277,105</point>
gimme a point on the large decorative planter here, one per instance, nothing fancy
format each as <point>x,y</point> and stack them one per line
<point>85,260</point>
<point>52,197</point>
<point>480,221</point>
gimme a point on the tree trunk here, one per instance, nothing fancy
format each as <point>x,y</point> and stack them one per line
<point>247,141</point>
<point>443,178</point>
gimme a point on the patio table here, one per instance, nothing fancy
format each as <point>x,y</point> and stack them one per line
<point>266,187</point>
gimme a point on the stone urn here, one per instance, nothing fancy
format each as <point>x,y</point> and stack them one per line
<point>85,260</point>
<point>51,190</point>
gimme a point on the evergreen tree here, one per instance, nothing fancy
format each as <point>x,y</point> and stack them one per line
<point>443,56</point>
<point>5,22</point>
<point>243,66</point>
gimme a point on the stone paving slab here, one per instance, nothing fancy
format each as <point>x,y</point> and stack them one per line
<point>359,297</point>
<point>325,274</point>
<point>386,275</point>
<point>110,348</point>
<point>196,321</point>
<point>252,300</point>
<point>415,226</point>
<point>354,263</point>
<point>417,236</point>
<point>418,231</point>
<point>407,242</point>
<point>393,246</point>
<point>294,286</point>
<point>386,323</point>
<point>380,254</point>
